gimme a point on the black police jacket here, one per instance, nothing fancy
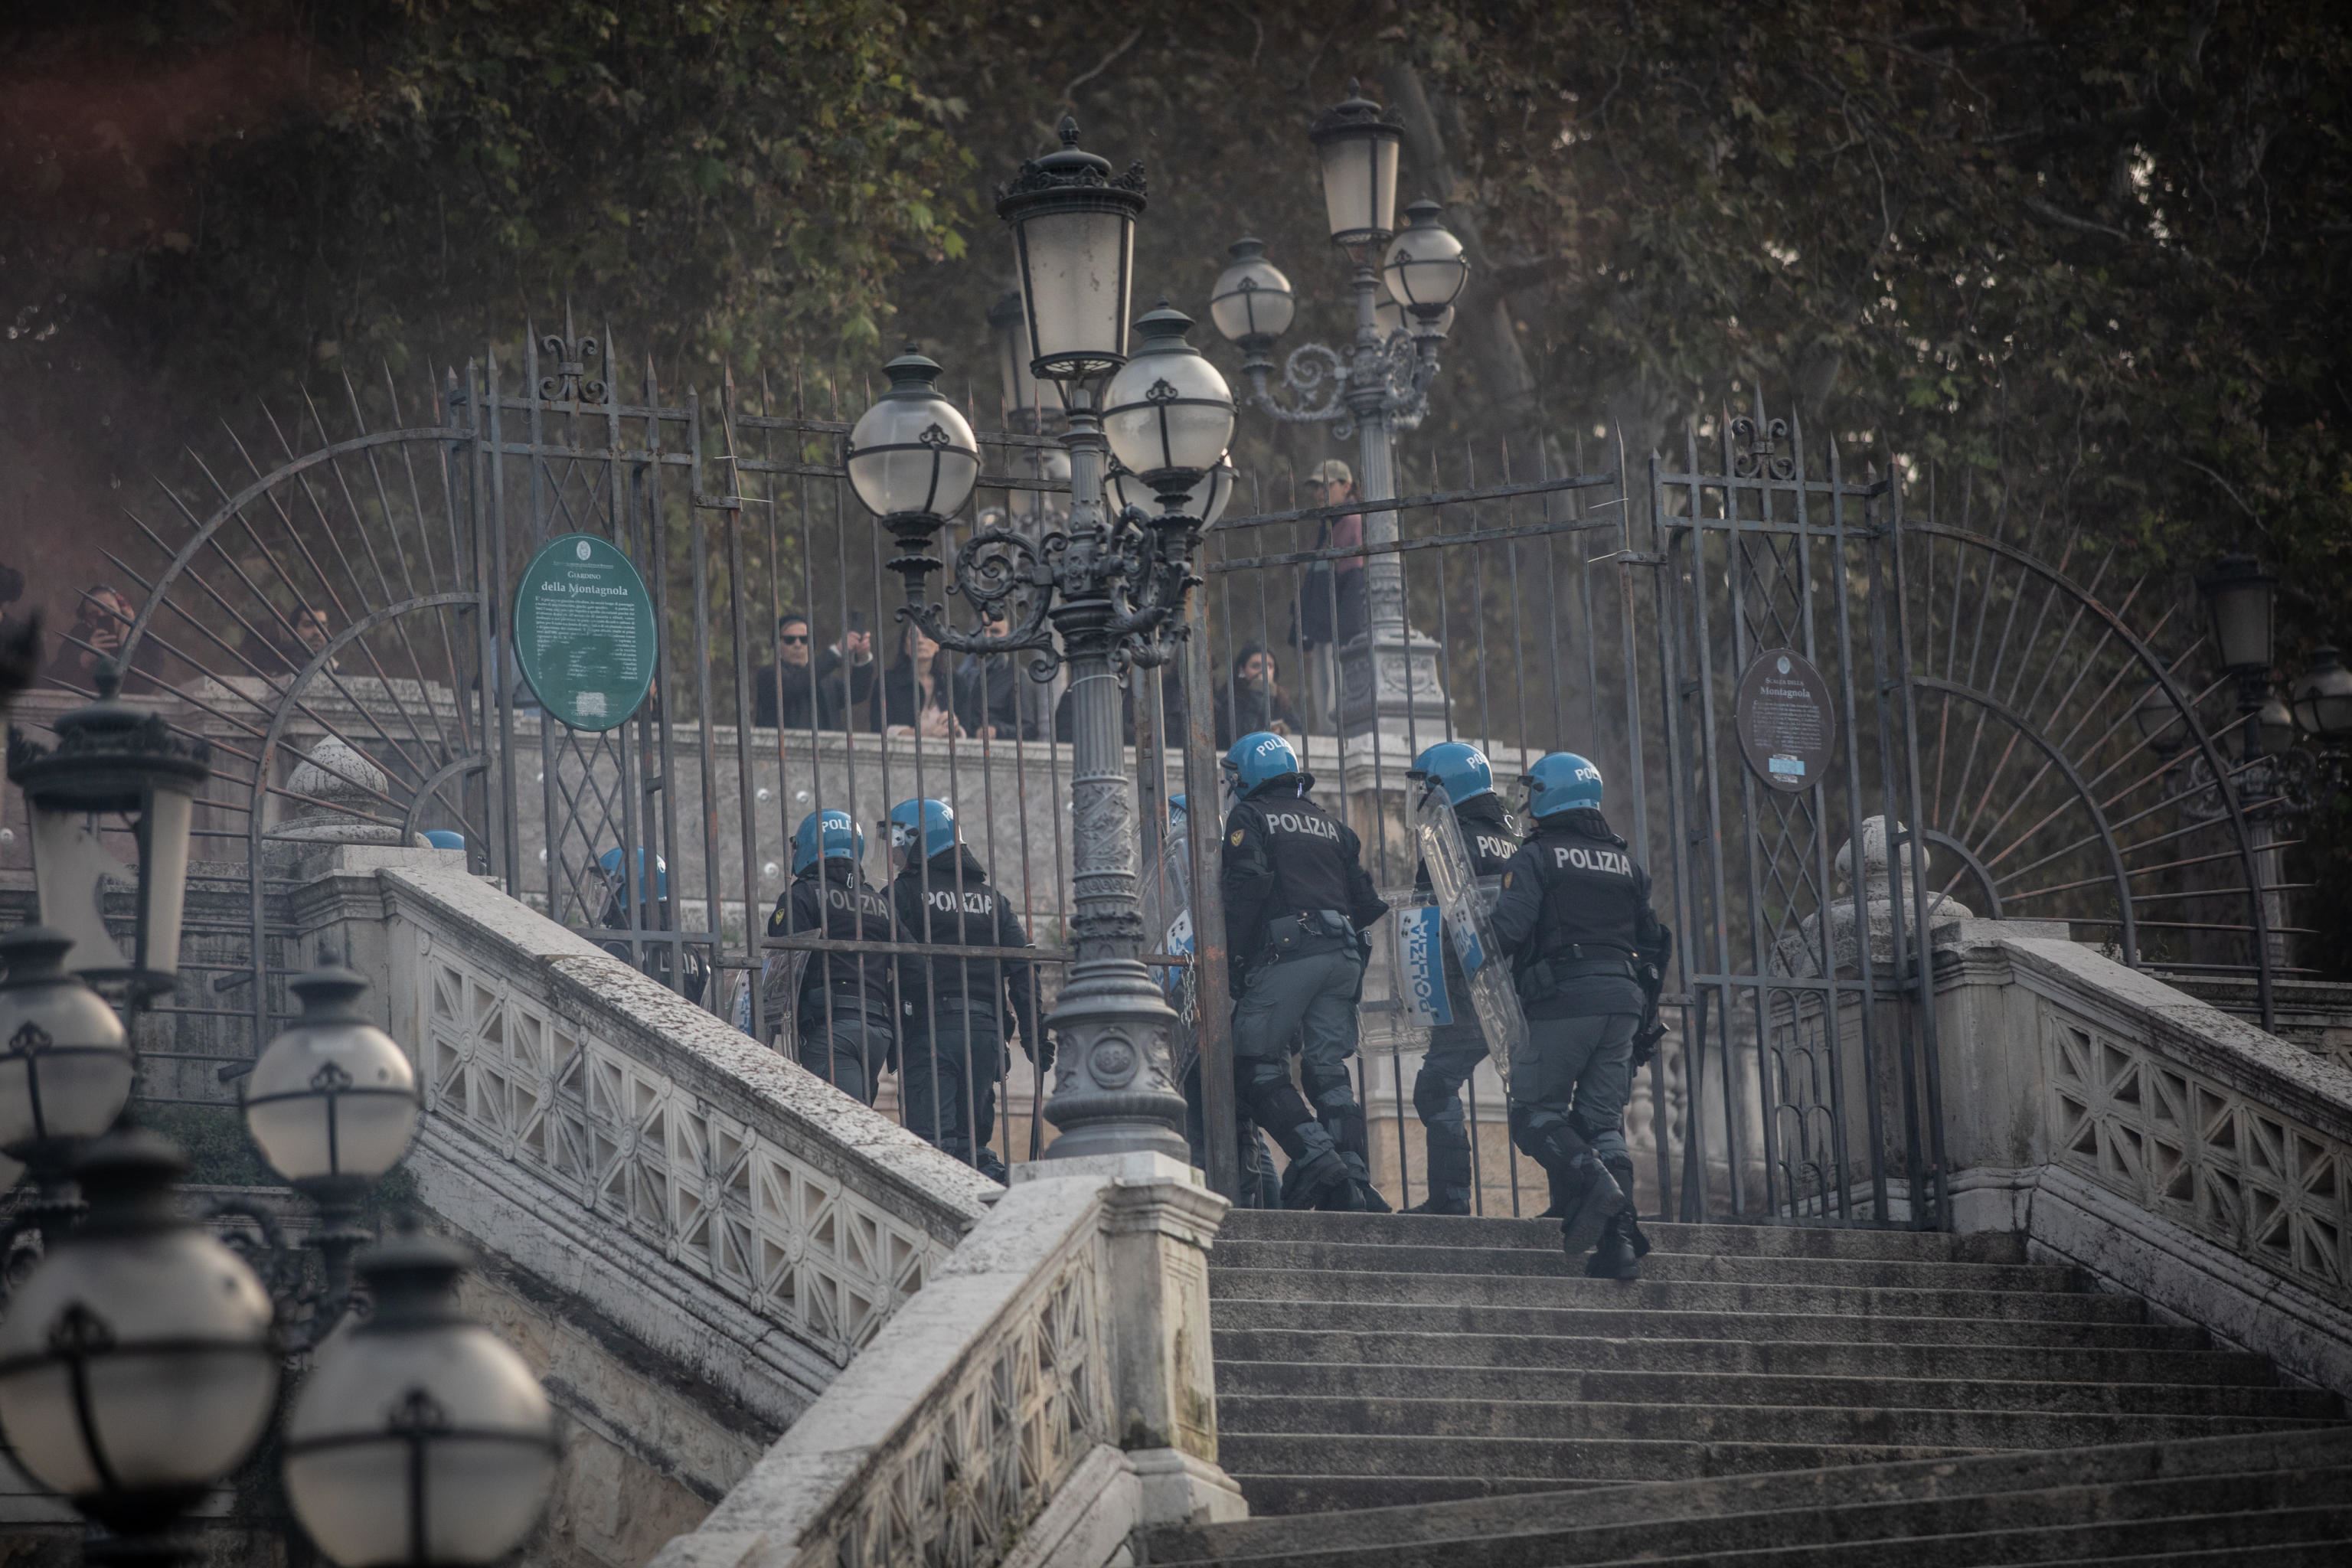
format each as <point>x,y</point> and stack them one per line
<point>833,897</point>
<point>1492,836</point>
<point>948,900</point>
<point>1285,855</point>
<point>1574,919</point>
<point>658,960</point>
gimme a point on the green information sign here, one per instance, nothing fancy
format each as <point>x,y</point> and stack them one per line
<point>585,632</point>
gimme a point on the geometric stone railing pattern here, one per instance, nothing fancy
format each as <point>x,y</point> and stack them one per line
<point>713,1195</point>
<point>701,1190</point>
<point>957,1487</point>
<point>2244,1176</point>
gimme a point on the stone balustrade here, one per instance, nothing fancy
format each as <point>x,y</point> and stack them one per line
<point>1049,1391</point>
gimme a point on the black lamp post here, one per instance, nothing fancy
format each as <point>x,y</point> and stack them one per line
<point>2239,599</point>
<point>1099,597</point>
<point>115,764</point>
<point>2323,699</point>
<point>66,1070</point>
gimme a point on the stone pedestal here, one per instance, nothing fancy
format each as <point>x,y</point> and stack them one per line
<point>1158,1222</point>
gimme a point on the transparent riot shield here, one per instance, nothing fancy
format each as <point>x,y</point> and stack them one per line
<point>1168,921</point>
<point>1464,900</point>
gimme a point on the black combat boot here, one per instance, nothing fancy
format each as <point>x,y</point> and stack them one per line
<point>1320,1181</point>
<point>1449,1179</point>
<point>1590,1200</point>
<point>1615,1258</point>
<point>1438,1203</point>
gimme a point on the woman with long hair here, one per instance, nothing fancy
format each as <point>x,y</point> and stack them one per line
<point>918,695</point>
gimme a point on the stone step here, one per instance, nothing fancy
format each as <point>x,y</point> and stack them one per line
<point>1963,1390</point>
<point>1633,1322</point>
<point>1550,1459</point>
<point>1539,1235</point>
<point>1329,1498</point>
<point>2237,1537</point>
<point>1320,1257</point>
<point>1655,1296</point>
<point>1837,1425</point>
<point>2068,1525</point>
<point>1869,1501</point>
<point>1512,1352</point>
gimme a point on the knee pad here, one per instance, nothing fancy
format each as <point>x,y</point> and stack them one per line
<point>1330,1087</point>
<point>1349,1130</point>
<point>1547,1139</point>
<point>1435,1097</point>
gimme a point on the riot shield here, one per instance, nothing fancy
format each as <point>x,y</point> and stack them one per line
<point>1168,921</point>
<point>1465,900</point>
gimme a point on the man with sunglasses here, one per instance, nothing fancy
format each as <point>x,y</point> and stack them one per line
<point>808,690</point>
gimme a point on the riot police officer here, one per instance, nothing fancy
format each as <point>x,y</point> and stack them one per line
<point>1297,904</point>
<point>1574,917</point>
<point>661,959</point>
<point>841,1001</point>
<point>956,1009</point>
<point>1260,1187</point>
<point>1455,1050</point>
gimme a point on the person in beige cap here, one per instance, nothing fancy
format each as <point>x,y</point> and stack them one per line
<point>1331,600</point>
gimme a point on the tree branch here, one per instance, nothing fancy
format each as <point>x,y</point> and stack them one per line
<point>2044,210</point>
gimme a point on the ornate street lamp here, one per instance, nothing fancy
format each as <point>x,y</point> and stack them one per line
<point>1098,597</point>
<point>419,1440</point>
<point>912,457</point>
<point>331,1104</point>
<point>1377,384</point>
<point>2238,597</point>
<point>66,1071</point>
<point>1359,147</point>
<point>114,764</point>
<point>137,1367</point>
<point>1206,500</point>
<point>2159,721</point>
<point>2323,698</point>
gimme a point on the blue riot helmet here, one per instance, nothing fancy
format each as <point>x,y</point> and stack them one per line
<point>930,823</point>
<point>1560,781</point>
<point>1177,811</point>
<point>609,862</point>
<point>447,838</point>
<point>826,836</point>
<point>1260,757</point>
<point>1460,768</point>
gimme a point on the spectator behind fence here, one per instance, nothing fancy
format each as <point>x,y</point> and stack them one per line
<point>309,634</point>
<point>994,698</point>
<point>805,689</point>
<point>1253,700</point>
<point>918,695</point>
<point>101,621</point>
<point>1331,596</point>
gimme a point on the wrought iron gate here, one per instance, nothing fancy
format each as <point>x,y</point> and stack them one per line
<point>334,619</point>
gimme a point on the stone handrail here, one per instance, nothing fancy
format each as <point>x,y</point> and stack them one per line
<point>1048,1393</point>
<point>2162,1145</point>
<point>718,1204</point>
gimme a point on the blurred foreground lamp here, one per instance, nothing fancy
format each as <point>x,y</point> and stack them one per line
<point>1358,146</point>
<point>1424,269</point>
<point>419,1440</point>
<point>2238,596</point>
<point>114,766</point>
<point>2323,698</point>
<point>65,1060</point>
<point>331,1104</point>
<point>1168,413</point>
<point>137,1368</point>
<point>1074,240</point>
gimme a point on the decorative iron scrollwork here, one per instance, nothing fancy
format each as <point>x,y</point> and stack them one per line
<point>1758,452</point>
<point>571,381</point>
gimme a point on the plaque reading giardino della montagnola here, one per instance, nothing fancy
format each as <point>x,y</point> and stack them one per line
<point>1788,731</point>
<point>583,630</point>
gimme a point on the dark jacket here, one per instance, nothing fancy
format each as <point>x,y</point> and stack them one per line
<point>658,959</point>
<point>833,897</point>
<point>1285,855</point>
<point>1245,706</point>
<point>815,696</point>
<point>899,698</point>
<point>948,900</point>
<point>995,689</point>
<point>1574,919</point>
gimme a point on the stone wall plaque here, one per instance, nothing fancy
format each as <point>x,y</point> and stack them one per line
<point>1788,727</point>
<point>584,634</point>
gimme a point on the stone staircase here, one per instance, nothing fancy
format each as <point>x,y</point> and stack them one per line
<point>1402,1390</point>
